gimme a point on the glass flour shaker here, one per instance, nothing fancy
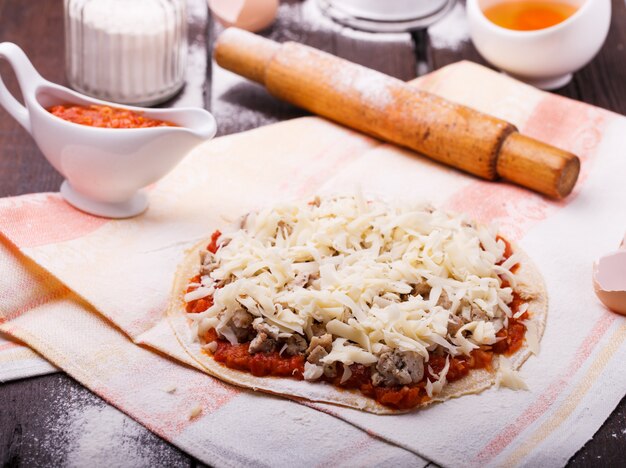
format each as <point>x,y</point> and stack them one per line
<point>126,51</point>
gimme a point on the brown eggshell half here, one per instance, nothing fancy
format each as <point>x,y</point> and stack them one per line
<point>609,281</point>
<point>251,15</point>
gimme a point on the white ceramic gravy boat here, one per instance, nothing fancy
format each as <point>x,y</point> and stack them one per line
<point>104,168</point>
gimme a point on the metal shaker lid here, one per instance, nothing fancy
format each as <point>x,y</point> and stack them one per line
<point>387,15</point>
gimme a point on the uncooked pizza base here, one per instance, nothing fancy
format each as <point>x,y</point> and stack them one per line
<point>530,282</point>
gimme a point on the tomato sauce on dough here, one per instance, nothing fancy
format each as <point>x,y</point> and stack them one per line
<point>236,356</point>
<point>105,117</point>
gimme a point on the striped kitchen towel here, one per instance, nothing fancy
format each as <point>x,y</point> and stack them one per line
<point>90,294</point>
<point>18,361</point>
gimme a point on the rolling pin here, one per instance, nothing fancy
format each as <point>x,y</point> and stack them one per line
<point>391,110</point>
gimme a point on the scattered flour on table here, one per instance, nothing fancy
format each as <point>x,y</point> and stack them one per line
<point>196,59</point>
<point>196,67</point>
<point>223,81</point>
<point>308,17</point>
<point>233,101</point>
<point>452,31</point>
<point>197,10</point>
<point>82,430</point>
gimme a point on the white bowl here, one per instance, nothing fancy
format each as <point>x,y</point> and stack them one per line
<point>104,168</point>
<point>545,58</point>
<point>389,10</point>
<point>388,15</point>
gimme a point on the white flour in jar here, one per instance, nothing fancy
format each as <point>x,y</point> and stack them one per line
<point>131,52</point>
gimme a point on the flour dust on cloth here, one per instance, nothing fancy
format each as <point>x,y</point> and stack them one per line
<point>113,280</point>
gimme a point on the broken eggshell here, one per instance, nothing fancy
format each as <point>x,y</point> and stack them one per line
<point>609,279</point>
<point>251,15</point>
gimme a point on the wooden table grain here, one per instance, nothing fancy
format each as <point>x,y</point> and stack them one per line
<point>42,418</point>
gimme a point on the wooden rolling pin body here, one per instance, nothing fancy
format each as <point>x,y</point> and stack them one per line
<point>389,109</point>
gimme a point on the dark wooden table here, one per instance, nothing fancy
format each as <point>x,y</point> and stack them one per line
<point>46,420</point>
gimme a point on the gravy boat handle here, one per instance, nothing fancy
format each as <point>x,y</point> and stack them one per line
<point>28,79</point>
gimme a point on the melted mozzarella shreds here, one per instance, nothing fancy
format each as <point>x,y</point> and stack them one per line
<point>435,387</point>
<point>376,275</point>
<point>509,378</point>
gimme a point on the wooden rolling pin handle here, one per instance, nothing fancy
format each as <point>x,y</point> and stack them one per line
<point>244,53</point>
<point>538,166</point>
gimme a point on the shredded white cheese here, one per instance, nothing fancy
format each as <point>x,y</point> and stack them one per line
<point>312,371</point>
<point>212,346</point>
<point>198,293</point>
<point>509,378</point>
<point>532,336</point>
<point>195,412</point>
<point>375,274</point>
<point>432,388</point>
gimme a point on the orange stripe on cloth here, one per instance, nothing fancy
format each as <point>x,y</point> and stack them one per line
<point>572,400</point>
<point>24,354</point>
<point>30,285</point>
<point>10,345</point>
<point>545,400</point>
<point>570,125</point>
<point>197,389</point>
<point>331,158</point>
<point>342,456</point>
<point>60,291</point>
<point>45,218</point>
